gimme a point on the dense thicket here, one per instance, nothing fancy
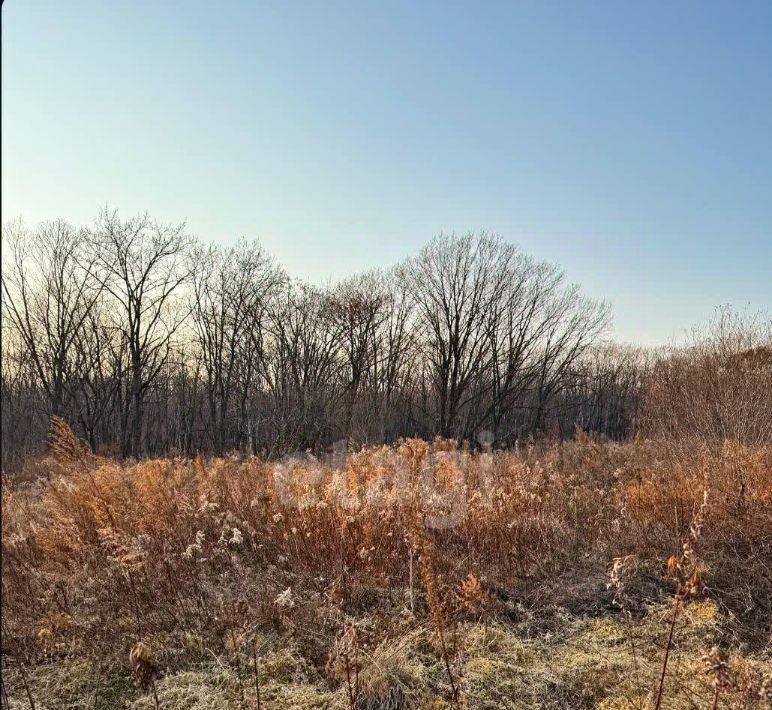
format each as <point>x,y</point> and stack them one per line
<point>148,342</point>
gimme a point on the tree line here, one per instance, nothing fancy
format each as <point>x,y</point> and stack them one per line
<point>150,342</point>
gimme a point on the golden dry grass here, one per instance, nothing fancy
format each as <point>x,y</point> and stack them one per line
<point>412,576</point>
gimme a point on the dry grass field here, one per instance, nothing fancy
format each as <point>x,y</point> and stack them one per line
<point>558,575</point>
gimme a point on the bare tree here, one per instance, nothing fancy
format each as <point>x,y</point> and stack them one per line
<point>49,290</point>
<point>516,327</point>
<point>25,406</point>
<point>395,349</point>
<point>457,282</point>
<point>231,290</point>
<point>143,267</point>
<point>574,323</point>
<point>98,360</point>
<point>604,394</point>
<point>356,310</point>
<point>299,365</point>
<point>500,331</point>
<point>150,343</point>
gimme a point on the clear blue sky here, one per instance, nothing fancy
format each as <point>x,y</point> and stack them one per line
<point>629,141</point>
